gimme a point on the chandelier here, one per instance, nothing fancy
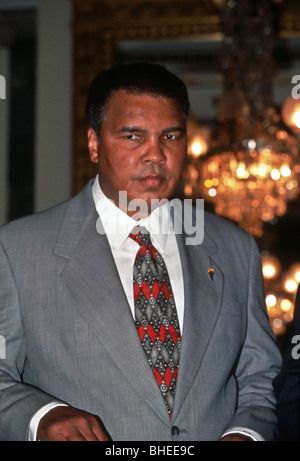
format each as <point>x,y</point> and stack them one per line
<point>249,166</point>
<point>280,291</point>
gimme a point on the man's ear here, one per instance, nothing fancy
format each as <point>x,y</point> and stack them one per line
<point>93,145</point>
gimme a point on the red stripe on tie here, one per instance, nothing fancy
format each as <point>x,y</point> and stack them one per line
<point>136,291</point>
<point>168,376</point>
<point>157,376</point>
<point>141,332</point>
<point>162,333</point>
<point>146,290</point>
<point>155,289</point>
<point>165,290</point>
<point>152,334</point>
<point>173,333</point>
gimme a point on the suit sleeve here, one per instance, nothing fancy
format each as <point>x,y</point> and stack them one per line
<point>18,401</point>
<point>259,361</point>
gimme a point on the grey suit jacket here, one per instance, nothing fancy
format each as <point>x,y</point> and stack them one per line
<point>70,334</point>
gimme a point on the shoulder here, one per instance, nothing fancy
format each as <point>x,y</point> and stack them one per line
<point>219,227</point>
<point>195,215</point>
<point>34,222</point>
<point>231,240</point>
<point>47,222</point>
<point>212,228</point>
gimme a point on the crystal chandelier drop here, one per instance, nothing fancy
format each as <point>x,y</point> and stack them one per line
<point>252,167</point>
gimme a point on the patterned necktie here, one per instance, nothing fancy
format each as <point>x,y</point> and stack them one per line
<point>156,316</point>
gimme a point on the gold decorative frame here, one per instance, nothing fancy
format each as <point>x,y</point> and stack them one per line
<point>100,25</point>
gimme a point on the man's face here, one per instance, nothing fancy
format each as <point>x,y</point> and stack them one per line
<point>142,147</point>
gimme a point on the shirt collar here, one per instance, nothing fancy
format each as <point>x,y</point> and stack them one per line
<point>117,224</point>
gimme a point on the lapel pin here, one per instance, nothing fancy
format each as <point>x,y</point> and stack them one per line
<point>211,272</point>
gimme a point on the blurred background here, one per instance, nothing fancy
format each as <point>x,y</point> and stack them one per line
<point>241,63</point>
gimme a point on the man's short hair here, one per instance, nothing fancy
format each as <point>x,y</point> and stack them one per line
<point>136,78</point>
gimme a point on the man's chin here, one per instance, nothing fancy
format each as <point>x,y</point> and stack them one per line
<point>144,205</point>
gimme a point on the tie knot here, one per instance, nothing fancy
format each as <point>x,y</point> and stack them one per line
<point>140,235</point>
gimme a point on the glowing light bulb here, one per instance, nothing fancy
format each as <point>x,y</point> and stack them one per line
<point>196,148</point>
<point>208,183</point>
<point>291,285</point>
<point>269,271</point>
<point>212,192</point>
<point>271,300</point>
<point>296,118</point>
<point>285,171</point>
<point>286,305</point>
<point>275,174</point>
<point>277,323</point>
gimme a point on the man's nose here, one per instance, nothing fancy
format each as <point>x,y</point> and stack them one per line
<point>154,152</point>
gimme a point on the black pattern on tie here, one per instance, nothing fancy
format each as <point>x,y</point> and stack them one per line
<point>156,316</point>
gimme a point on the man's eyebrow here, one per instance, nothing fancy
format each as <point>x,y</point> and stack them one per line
<point>137,129</point>
<point>131,129</point>
<point>173,128</point>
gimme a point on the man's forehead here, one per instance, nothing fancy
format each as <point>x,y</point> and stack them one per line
<point>128,94</point>
<point>128,111</point>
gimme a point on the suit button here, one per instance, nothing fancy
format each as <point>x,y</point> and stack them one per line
<point>175,430</point>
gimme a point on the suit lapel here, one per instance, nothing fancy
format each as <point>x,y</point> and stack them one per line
<point>203,299</point>
<point>88,276</point>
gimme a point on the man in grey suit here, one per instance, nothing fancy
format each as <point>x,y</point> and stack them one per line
<point>75,367</point>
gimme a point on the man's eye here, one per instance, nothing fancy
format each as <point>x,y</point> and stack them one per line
<point>131,137</point>
<point>170,136</point>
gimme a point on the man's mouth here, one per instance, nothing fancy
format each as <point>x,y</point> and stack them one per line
<point>152,179</point>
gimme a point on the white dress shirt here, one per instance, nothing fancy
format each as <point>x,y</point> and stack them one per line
<point>118,225</point>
